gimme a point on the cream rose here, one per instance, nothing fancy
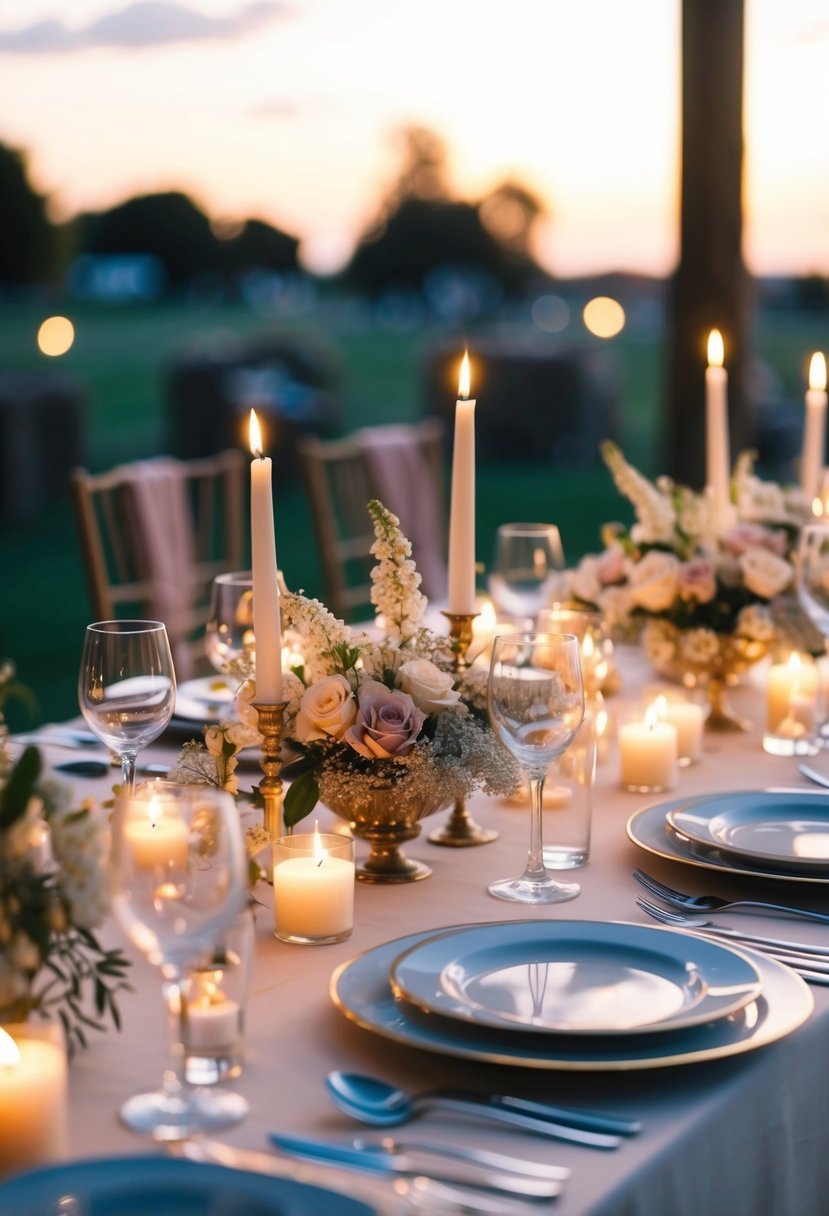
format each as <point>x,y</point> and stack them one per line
<point>764,573</point>
<point>326,710</point>
<point>654,582</point>
<point>430,688</point>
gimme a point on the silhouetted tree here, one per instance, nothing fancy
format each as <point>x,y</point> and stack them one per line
<point>28,248</point>
<point>420,229</point>
<point>169,226</point>
<point>260,245</point>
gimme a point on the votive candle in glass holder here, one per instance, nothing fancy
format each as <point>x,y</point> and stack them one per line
<point>689,719</point>
<point>33,1095</point>
<point>313,887</point>
<point>648,754</point>
<point>792,707</point>
<point>213,1006</point>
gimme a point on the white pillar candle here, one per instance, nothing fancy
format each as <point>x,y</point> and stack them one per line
<point>461,597</point>
<point>266,622</point>
<point>689,720</point>
<point>716,432</point>
<point>648,754</point>
<point>313,888</point>
<point>814,429</point>
<point>792,686</point>
<point>33,1098</point>
<point>211,1019</point>
<point>156,835</point>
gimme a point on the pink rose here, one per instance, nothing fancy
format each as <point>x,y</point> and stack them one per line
<point>745,536</point>
<point>697,581</point>
<point>387,723</point>
<point>610,565</point>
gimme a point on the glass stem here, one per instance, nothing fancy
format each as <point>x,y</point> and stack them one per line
<point>173,1084</point>
<point>535,860</point>
<point>128,770</point>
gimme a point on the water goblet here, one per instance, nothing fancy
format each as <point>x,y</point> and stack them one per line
<point>526,571</point>
<point>229,631</point>
<point>126,686</point>
<point>813,575</point>
<point>178,874</point>
<point>536,705</point>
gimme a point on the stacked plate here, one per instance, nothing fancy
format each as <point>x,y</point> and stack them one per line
<point>571,994</point>
<point>770,834</point>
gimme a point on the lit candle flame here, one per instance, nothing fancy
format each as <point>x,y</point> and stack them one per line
<point>255,436</point>
<point>716,354</point>
<point>817,507</point>
<point>9,1051</point>
<point>152,810</point>
<point>319,851</point>
<point>652,716</point>
<point>795,662</point>
<point>463,380</point>
<point>817,372</point>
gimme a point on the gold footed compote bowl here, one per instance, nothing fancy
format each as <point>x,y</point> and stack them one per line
<point>386,818</point>
<point>714,662</point>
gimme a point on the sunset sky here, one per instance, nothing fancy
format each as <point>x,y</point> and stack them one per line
<point>286,110</point>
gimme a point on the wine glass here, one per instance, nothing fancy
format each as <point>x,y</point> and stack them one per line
<point>536,704</point>
<point>813,575</point>
<point>812,581</point>
<point>229,630</point>
<point>527,563</point>
<point>178,874</point>
<point>127,686</point>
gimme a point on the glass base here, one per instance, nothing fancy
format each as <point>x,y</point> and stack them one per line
<point>784,745</point>
<point>534,890</point>
<point>563,858</point>
<point>167,1118</point>
<point>300,939</point>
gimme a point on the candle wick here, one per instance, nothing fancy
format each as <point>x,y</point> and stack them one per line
<point>319,863</point>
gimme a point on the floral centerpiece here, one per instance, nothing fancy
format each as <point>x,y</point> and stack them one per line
<point>53,895</point>
<point>700,599</point>
<point>386,718</point>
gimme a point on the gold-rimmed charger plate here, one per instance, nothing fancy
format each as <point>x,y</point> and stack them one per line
<point>360,990</point>
<point>648,828</point>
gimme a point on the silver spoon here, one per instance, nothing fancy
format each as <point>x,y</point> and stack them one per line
<point>370,1100</point>
<point>813,775</point>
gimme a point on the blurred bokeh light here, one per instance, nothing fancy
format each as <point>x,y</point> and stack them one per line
<point>55,336</point>
<point>604,317</point>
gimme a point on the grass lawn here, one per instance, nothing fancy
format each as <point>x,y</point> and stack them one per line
<point>121,356</point>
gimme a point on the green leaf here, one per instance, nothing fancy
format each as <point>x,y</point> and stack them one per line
<point>20,787</point>
<point>300,800</point>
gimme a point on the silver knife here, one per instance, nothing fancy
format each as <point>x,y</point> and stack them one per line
<point>404,1165</point>
<point>69,739</point>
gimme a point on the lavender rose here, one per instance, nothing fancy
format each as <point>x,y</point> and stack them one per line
<point>387,724</point>
<point>697,580</point>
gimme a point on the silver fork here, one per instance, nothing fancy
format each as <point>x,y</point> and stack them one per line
<point>711,903</point>
<point>811,962</point>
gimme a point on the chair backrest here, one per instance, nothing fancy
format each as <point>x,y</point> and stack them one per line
<point>155,533</point>
<point>342,475</point>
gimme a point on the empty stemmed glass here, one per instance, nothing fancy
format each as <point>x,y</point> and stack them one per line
<point>229,630</point>
<point>536,704</point>
<point>812,580</point>
<point>526,571</point>
<point>127,686</point>
<point>178,873</point>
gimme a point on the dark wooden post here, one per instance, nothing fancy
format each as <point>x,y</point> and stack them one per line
<point>710,287</point>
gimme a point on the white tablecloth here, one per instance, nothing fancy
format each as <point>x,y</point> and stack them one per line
<point>746,1136</point>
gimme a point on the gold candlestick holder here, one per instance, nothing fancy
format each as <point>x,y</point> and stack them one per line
<point>460,831</point>
<point>271,722</point>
